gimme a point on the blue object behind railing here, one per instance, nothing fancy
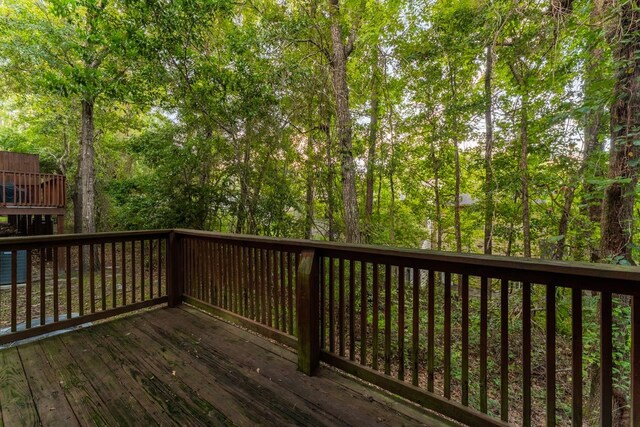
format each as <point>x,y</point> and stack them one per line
<point>5,267</point>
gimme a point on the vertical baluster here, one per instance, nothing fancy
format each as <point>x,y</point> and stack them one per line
<point>352,310</point>
<point>264,285</point>
<point>56,266</point>
<point>283,308</point>
<point>526,354</point>
<point>123,272</point>
<point>160,293</point>
<point>269,288</point>
<point>322,274</point>
<point>28,290</point>
<point>341,307</point>
<point>551,355</point>
<point>151,293</point>
<point>504,350</point>
<point>258,282</point>
<point>606,360</point>
<point>114,274</point>
<point>251,283</point>
<point>80,280</point>
<point>332,340</point>
<point>291,267</point>
<point>576,356</point>
<point>447,335</point>
<point>375,313</point>
<point>484,315</point>
<point>276,291</point>
<point>363,313</point>
<point>68,277</point>
<point>14,289</point>
<point>133,271</point>
<point>401,315</point>
<point>415,327</point>
<point>210,273</point>
<point>465,339</point>
<point>103,276</point>
<point>92,280</point>
<point>635,361</point>
<point>43,290</point>
<point>430,330</point>
<point>387,319</point>
<point>142,294</point>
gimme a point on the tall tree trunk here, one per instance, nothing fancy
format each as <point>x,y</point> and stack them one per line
<point>436,189</point>
<point>456,155</point>
<point>343,121</point>
<point>371,153</point>
<point>308,218</point>
<point>87,168</point>
<point>330,181</point>
<point>488,153</point>
<point>524,178</point>
<point>617,212</point>
<point>563,226</point>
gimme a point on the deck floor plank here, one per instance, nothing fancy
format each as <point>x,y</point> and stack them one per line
<point>118,397</point>
<point>48,394</point>
<point>246,388</point>
<point>181,367</point>
<point>128,376</point>
<point>18,407</point>
<point>193,404</point>
<point>345,406</point>
<point>86,401</point>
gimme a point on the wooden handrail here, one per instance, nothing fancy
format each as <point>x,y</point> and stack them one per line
<point>387,315</point>
<point>334,280</point>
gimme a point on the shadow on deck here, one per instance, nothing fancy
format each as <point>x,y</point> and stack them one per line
<point>179,366</point>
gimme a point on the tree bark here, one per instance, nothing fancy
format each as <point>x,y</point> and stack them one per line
<point>371,153</point>
<point>488,153</point>
<point>87,168</point>
<point>524,178</point>
<point>617,212</point>
<point>436,189</point>
<point>308,218</point>
<point>343,121</point>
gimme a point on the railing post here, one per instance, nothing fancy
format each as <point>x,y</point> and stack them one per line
<point>635,361</point>
<point>174,266</point>
<point>308,309</point>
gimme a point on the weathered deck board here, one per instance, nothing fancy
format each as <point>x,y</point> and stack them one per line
<point>181,367</point>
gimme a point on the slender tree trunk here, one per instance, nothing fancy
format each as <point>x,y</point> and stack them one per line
<point>308,220</point>
<point>242,205</point>
<point>617,212</point>
<point>330,182</point>
<point>343,120</point>
<point>436,189</point>
<point>371,153</point>
<point>488,153</point>
<point>87,168</point>
<point>563,226</point>
<point>524,177</point>
<point>456,156</point>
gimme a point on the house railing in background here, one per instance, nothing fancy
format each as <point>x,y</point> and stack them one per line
<point>25,189</point>
<point>483,340</point>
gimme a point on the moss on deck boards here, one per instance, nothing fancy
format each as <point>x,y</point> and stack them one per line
<point>181,367</point>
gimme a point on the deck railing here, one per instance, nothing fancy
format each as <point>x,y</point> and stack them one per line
<point>25,189</point>
<point>475,338</point>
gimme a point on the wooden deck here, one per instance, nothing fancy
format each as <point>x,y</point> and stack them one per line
<point>179,366</point>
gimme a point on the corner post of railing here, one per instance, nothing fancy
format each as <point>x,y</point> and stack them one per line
<point>308,308</point>
<point>635,360</point>
<point>174,266</point>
